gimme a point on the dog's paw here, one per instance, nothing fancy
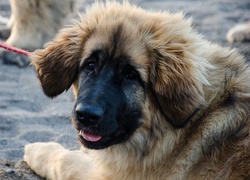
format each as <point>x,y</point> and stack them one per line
<point>52,161</point>
<point>39,156</point>
<point>239,33</point>
<point>12,58</point>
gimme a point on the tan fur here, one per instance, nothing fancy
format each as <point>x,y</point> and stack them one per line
<point>34,22</point>
<point>195,122</point>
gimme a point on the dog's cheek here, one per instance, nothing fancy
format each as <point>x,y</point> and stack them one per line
<point>135,96</point>
<point>134,100</point>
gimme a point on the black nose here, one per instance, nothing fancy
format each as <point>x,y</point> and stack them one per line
<point>88,114</point>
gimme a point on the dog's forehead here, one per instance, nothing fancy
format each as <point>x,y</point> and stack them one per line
<point>119,40</point>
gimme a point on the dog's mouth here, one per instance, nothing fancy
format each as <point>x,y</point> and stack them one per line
<point>93,140</point>
<point>89,136</point>
<point>103,134</point>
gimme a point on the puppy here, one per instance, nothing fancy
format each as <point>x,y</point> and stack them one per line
<point>154,100</point>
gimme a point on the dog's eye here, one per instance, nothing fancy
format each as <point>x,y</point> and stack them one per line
<point>131,76</point>
<point>91,66</point>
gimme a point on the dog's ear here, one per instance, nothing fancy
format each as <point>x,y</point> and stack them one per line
<point>177,78</point>
<point>57,64</point>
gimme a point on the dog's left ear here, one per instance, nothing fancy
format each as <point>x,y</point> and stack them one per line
<point>177,80</point>
<point>57,64</point>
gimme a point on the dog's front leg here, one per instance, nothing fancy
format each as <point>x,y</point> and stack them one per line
<point>52,161</point>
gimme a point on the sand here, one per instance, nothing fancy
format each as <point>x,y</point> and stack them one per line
<point>27,115</point>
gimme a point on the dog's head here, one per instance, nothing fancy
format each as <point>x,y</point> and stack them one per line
<point>120,59</point>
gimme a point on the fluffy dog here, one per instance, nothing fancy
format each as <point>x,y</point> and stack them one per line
<point>154,100</point>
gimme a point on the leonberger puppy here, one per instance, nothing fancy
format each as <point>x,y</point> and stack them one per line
<point>154,100</point>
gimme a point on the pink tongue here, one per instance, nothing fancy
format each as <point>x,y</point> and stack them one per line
<point>90,137</point>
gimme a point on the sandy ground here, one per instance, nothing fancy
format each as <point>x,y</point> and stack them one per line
<point>27,116</point>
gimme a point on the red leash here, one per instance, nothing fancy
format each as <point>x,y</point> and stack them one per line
<point>14,49</point>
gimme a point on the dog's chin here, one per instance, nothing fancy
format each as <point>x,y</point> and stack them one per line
<point>95,141</point>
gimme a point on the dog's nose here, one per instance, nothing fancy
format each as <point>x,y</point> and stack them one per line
<point>88,114</point>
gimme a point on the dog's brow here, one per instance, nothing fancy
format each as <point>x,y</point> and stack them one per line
<point>98,54</point>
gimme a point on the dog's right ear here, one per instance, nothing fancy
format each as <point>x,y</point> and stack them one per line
<point>57,64</point>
